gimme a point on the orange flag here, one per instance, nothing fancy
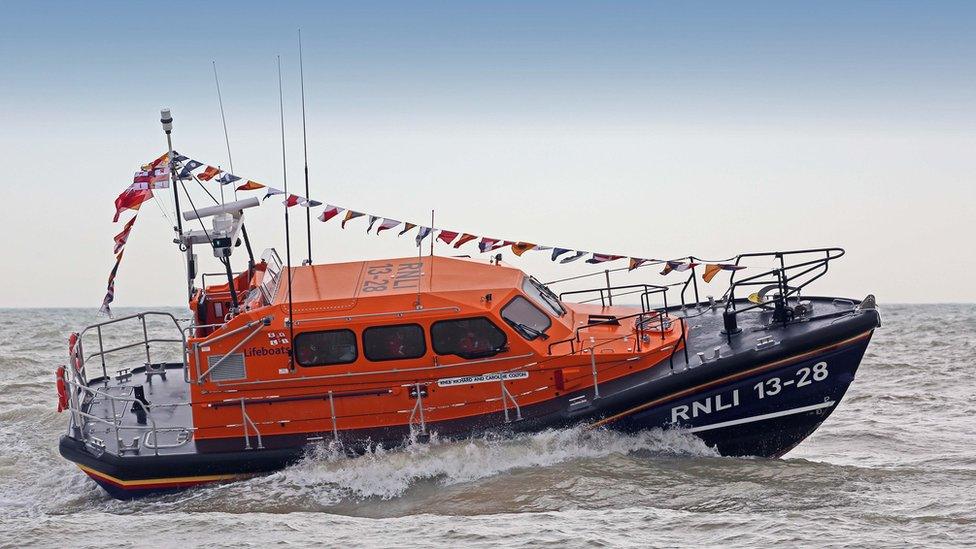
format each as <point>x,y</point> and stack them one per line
<point>250,186</point>
<point>710,271</point>
<point>209,173</point>
<point>520,248</point>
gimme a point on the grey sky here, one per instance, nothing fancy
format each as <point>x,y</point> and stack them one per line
<point>639,130</point>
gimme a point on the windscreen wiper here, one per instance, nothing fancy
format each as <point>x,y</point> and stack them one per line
<point>548,296</point>
<point>531,332</point>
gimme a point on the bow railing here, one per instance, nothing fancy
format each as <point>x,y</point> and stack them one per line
<point>780,284</point>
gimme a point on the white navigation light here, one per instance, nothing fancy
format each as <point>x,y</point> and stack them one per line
<point>167,119</point>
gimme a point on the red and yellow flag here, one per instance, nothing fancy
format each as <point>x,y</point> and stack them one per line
<point>209,173</point>
<point>155,163</point>
<point>465,238</point>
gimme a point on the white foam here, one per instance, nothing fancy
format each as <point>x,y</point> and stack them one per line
<point>328,477</point>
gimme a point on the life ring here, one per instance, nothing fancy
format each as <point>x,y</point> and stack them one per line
<point>62,391</point>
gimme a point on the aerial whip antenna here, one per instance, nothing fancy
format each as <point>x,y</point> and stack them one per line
<point>223,119</point>
<point>284,175</point>
<point>308,211</point>
<point>230,160</point>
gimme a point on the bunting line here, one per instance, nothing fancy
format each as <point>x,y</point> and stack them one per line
<point>132,198</point>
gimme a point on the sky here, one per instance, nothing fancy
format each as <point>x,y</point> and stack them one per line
<point>634,128</point>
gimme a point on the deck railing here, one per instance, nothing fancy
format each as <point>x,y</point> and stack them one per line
<point>785,281</point>
<point>99,329</point>
<point>79,425</point>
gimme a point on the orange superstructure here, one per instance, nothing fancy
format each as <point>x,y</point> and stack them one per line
<point>473,338</point>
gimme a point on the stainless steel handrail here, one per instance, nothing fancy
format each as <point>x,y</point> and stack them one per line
<point>259,323</point>
<point>76,411</point>
<point>506,396</point>
<point>418,408</point>
<point>368,315</point>
<point>245,421</point>
<point>131,345</point>
<point>375,372</point>
<point>146,340</point>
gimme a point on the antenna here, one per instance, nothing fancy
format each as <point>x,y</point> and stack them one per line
<point>308,211</point>
<point>230,160</point>
<point>284,175</point>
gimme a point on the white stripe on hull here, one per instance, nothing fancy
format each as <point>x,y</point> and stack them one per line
<point>762,417</point>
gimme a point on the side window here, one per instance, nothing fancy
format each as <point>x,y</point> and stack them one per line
<point>526,318</point>
<point>467,338</point>
<point>324,348</point>
<point>394,342</point>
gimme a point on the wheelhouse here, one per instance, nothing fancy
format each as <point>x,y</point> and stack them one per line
<point>390,328</point>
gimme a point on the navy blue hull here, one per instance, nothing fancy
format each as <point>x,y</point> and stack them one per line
<point>766,414</point>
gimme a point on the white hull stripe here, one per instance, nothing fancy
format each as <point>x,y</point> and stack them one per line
<point>763,417</point>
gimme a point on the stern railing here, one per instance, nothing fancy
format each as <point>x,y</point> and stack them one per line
<point>102,353</point>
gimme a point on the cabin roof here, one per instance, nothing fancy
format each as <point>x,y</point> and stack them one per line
<point>348,283</point>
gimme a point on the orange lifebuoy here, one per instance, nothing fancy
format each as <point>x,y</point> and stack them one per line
<point>62,392</point>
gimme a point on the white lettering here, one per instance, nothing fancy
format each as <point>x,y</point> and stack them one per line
<point>681,411</point>
<point>484,378</point>
<point>704,407</point>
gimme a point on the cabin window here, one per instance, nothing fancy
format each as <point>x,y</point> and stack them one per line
<point>542,296</point>
<point>394,342</point>
<point>526,318</point>
<point>325,348</point>
<point>467,338</point>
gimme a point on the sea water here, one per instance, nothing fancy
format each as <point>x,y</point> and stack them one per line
<point>894,465</point>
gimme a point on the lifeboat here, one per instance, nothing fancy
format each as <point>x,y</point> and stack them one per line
<point>391,352</point>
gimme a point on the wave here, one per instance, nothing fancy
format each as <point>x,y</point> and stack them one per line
<point>327,477</point>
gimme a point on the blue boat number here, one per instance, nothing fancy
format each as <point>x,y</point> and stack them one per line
<point>803,377</point>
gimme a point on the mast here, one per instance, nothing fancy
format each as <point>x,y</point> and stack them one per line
<point>166,118</point>
<point>308,211</point>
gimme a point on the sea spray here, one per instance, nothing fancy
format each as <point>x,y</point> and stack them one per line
<point>328,476</point>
